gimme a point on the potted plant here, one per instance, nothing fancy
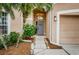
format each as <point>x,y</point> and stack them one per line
<point>29,31</point>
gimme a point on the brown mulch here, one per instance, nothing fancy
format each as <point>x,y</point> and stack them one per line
<point>22,49</point>
<point>54,46</point>
<point>51,45</point>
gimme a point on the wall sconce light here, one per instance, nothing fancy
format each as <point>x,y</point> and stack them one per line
<point>55,18</point>
<point>40,18</point>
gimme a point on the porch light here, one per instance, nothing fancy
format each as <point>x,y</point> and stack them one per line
<point>55,18</point>
<point>40,18</point>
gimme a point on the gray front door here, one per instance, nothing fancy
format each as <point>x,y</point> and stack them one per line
<point>40,27</point>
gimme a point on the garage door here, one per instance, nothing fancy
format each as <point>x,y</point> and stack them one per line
<point>69,29</point>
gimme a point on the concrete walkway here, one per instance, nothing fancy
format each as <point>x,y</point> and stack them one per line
<point>39,43</point>
<point>40,48</point>
<point>71,49</point>
<point>49,52</point>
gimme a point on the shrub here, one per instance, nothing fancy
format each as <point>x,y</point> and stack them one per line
<point>13,37</point>
<point>6,39</point>
<point>3,42</point>
<point>1,45</point>
<point>9,40</point>
<point>29,30</point>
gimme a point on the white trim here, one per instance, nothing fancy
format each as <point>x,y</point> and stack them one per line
<point>9,22</point>
<point>21,19</point>
<point>58,21</point>
<point>57,28</point>
<point>68,11</point>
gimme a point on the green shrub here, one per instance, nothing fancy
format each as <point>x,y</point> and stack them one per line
<point>9,40</point>
<point>13,37</point>
<point>1,45</point>
<point>3,41</point>
<point>6,39</point>
<point>29,30</point>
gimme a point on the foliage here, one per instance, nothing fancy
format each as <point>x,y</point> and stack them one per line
<point>13,37</point>
<point>43,6</point>
<point>29,30</point>
<point>25,8</point>
<point>8,8</point>
<point>3,42</point>
<point>6,39</point>
<point>1,45</point>
<point>9,40</point>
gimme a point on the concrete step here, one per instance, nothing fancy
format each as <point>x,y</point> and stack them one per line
<point>40,46</point>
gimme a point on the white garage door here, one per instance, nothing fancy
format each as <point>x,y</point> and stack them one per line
<point>69,29</point>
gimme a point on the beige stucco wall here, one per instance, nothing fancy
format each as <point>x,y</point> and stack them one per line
<point>60,7</point>
<point>29,19</point>
<point>69,29</point>
<point>65,6</point>
<point>17,23</point>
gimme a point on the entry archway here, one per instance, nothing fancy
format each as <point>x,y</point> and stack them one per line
<point>40,21</point>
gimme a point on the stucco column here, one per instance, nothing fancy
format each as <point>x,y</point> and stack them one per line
<point>21,18</point>
<point>29,20</point>
<point>50,25</point>
<point>57,28</point>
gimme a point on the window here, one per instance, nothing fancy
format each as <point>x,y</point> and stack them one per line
<point>3,23</point>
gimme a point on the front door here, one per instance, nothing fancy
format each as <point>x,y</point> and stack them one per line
<point>40,27</point>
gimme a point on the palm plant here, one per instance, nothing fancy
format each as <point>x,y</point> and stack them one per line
<point>25,8</point>
<point>8,8</point>
<point>43,6</point>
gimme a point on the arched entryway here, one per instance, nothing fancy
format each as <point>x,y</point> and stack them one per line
<point>40,21</point>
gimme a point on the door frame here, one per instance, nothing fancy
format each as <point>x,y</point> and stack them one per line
<point>34,20</point>
<point>58,22</point>
<point>43,26</point>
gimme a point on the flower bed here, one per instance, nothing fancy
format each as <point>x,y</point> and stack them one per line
<point>18,44</point>
<point>13,44</point>
<point>22,49</point>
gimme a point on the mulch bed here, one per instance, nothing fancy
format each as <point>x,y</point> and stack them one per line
<point>51,45</point>
<point>22,49</point>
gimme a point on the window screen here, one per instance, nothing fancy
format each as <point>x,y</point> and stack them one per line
<point>3,23</point>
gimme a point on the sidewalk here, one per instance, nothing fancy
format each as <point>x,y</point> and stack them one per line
<point>49,52</point>
<point>71,49</point>
<point>40,48</point>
